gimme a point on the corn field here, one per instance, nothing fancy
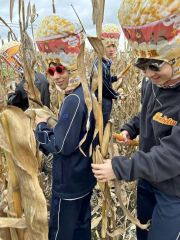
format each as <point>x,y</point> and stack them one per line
<point>25,174</point>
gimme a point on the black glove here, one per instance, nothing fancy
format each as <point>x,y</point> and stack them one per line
<point>19,98</point>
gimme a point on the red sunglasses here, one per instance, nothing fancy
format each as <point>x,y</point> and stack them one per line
<point>59,69</point>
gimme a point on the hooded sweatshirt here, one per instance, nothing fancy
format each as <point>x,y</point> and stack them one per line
<point>158,125</point>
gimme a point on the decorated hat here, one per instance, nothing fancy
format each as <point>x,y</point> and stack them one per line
<point>152,28</point>
<point>110,34</point>
<point>10,54</point>
<point>59,40</point>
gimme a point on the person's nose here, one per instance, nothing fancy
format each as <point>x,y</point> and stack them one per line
<point>112,48</point>
<point>56,75</point>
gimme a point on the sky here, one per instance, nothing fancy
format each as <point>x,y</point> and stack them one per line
<point>63,9</point>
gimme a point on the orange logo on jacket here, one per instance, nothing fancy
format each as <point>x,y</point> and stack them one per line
<point>158,117</point>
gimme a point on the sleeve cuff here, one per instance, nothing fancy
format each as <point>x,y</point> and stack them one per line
<point>114,78</point>
<point>41,133</point>
<point>122,167</point>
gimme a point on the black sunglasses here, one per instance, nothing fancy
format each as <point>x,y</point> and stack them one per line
<point>151,64</point>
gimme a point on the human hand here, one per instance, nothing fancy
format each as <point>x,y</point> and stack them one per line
<point>119,77</point>
<point>125,136</point>
<point>103,172</point>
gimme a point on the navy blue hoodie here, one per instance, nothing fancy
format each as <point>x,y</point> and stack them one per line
<point>158,124</point>
<point>72,173</point>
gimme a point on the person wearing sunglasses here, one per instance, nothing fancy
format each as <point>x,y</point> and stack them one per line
<point>156,165</point>
<point>59,74</point>
<point>158,71</point>
<point>70,140</point>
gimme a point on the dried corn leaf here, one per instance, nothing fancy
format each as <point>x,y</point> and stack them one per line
<point>53,6</point>
<point>99,48</point>
<point>23,153</point>
<point>11,9</point>
<point>20,143</point>
<point>33,13</point>
<point>126,211</point>
<point>95,222</point>
<point>5,234</point>
<point>95,111</point>
<point>10,29</point>
<point>98,14</point>
<point>3,140</point>
<point>106,139</point>
<point>116,232</point>
<point>6,222</point>
<point>87,95</point>
<point>100,115</point>
<point>14,196</point>
<point>94,85</point>
<point>28,14</point>
<point>94,12</point>
<point>104,225</point>
<point>97,45</point>
<point>29,58</point>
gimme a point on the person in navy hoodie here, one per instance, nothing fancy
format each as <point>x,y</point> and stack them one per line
<point>110,39</point>
<point>73,180</point>
<point>155,43</point>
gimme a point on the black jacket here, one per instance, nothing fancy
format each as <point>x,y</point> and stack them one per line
<point>20,98</point>
<point>72,173</point>
<point>158,123</point>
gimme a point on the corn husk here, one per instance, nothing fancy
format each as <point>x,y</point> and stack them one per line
<point>21,146</point>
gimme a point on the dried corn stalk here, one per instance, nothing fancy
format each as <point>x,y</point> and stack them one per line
<point>104,141</point>
<point>87,96</point>
<point>11,9</point>
<point>28,54</point>
<point>98,14</point>
<point>4,233</point>
<point>20,147</point>
<point>99,49</point>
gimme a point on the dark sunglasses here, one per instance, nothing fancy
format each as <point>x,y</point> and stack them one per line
<point>59,69</point>
<point>153,65</point>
